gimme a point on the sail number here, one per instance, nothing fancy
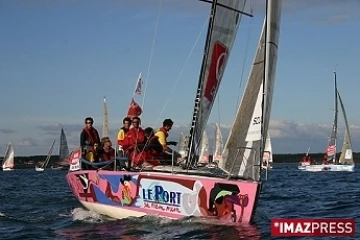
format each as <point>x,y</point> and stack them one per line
<point>256,120</point>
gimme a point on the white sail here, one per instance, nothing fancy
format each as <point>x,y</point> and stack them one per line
<point>218,147</point>
<point>8,162</point>
<point>105,127</point>
<point>242,150</point>
<point>204,149</point>
<point>223,27</point>
<point>346,156</point>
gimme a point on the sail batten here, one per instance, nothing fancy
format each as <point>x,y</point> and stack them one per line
<point>223,26</point>
<point>241,155</point>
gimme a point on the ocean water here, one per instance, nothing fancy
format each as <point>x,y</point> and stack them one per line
<point>37,205</point>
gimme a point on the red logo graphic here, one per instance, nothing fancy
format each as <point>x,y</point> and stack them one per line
<point>312,227</point>
<point>216,70</point>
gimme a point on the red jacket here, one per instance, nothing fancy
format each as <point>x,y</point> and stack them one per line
<point>133,136</point>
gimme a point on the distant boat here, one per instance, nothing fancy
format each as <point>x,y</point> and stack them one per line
<point>183,142</point>
<point>105,126</point>
<point>218,146</point>
<point>204,150</point>
<point>64,153</point>
<point>345,163</point>
<point>268,155</point>
<point>46,162</point>
<point>8,162</point>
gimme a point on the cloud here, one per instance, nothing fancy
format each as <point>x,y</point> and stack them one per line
<point>6,131</point>
<point>55,129</point>
<point>27,142</point>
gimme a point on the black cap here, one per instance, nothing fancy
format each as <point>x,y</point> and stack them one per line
<point>89,119</point>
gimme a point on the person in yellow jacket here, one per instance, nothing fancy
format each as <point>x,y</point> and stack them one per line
<point>162,135</point>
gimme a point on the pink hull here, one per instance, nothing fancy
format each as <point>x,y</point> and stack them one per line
<point>133,194</point>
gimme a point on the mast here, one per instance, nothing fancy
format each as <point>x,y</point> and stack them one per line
<point>265,85</point>
<point>336,115</point>
<point>191,151</point>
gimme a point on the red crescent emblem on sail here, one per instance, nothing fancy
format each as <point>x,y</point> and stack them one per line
<point>216,70</point>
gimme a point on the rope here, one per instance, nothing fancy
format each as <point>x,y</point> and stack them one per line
<point>151,53</point>
<point>181,72</point>
<point>245,57</point>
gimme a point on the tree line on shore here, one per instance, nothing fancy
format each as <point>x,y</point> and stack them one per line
<point>30,161</point>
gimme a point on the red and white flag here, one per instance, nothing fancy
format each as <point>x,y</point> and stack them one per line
<point>138,88</point>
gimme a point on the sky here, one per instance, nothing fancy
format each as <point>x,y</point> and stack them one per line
<point>58,59</point>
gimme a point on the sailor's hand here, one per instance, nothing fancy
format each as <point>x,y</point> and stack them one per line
<point>95,145</point>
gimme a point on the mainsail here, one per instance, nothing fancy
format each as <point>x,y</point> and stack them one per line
<point>105,127</point>
<point>218,147</point>
<point>223,25</point>
<point>346,156</point>
<point>64,152</point>
<point>331,149</point>
<point>9,156</point>
<point>243,149</point>
<point>204,150</point>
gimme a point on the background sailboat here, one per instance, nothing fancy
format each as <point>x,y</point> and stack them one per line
<point>268,155</point>
<point>204,149</point>
<point>105,126</point>
<point>345,163</point>
<point>64,153</point>
<point>46,162</point>
<point>8,162</point>
<point>218,146</point>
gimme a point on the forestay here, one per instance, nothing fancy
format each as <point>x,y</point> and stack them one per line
<point>346,156</point>
<point>223,26</point>
<point>241,154</point>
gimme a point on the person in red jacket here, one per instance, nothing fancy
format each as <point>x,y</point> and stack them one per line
<point>121,139</point>
<point>134,137</point>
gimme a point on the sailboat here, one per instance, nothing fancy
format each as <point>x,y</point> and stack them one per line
<point>268,155</point>
<point>105,126</point>
<point>46,162</point>
<point>63,163</point>
<point>204,149</point>
<point>228,194</point>
<point>183,142</point>
<point>8,162</point>
<point>218,146</point>
<point>330,163</point>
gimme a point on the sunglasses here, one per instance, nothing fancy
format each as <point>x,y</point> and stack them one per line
<point>136,122</point>
<point>89,123</point>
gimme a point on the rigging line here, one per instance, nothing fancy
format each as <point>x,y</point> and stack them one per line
<point>182,70</point>
<point>180,74</point>
<point>245,57</point>
<point>151,53</point>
